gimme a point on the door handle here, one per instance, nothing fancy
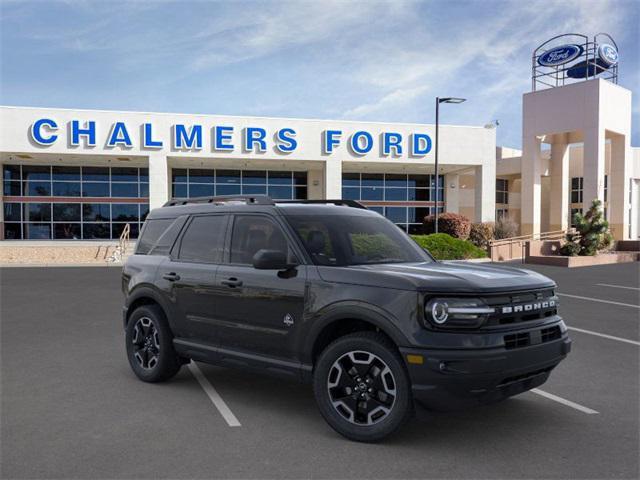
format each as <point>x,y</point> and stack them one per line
<point>171,276</point>
<point>232,282</point>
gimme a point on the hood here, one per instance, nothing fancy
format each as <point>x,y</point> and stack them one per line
<point>449,277</point>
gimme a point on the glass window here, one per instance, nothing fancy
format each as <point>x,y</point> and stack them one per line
<point>36,172</point>
<point>196,190</point>
<point>300,178</point>
<point>13,231</point>
<point>144,190</point>
<point>166,240</point>
<point>66,173</point>
<point>351,193</point>
<point>95,174</point>
<point>228,176</point>
<point>144,211</point>
<point>11,172</point>
<point>95,189</point>
<point>96,230</point>
<point>201,175</point>
<point>151,232</point>
<point>419,194</point>
<point>203,240</point>
<point>280,192</point>
<point>254,189</point>
<point>372,193</point>
<point>70,231</point>
<point>396,214</point>
<point>124,190</point>
<point>350,179</point>
<point>252,233</point>
<point>227,189</point>
<point>395,180</point>
<point>502,190</point>
<point>300,193</point>
<point>124,212</point>
<point>395,194</point>
<point>419,181</point>
<point>37,231</point>
<point>66,189</point>
<point>339,240</point>
<point>12,189</point>
<point>96,212</point>
<point>279,178</point>
<point>179,175</point>
<point>144,174</point>
<point>66,212</point>
<point>37,212</point>
<point>179,190</point>
<point>254,177</point>
<point>12,212</point>
<point>117,229</point>
<point>576,189</point>
<point>38,189</point>
<point>124,174</point>
<point>372,179</point>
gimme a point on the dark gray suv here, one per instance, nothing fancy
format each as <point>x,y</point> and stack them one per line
<point>330,293</point>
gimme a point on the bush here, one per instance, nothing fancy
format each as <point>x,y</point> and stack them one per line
<point>592,233</point>
<point>505,228</point>
<point>482,233</point>
<point>458,226</point>
<point>445,247</point>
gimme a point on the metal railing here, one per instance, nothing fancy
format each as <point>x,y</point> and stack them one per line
<point>123,244</point>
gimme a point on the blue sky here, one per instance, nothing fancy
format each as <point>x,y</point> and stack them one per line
<point>370,60</point>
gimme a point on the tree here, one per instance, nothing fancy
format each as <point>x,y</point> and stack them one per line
<point>591,235</point>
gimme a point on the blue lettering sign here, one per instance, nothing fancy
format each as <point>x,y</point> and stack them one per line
<point>186,139</point>
<point>255,136</point>
<point>391,140</point>
<point>222,137</point>
<point>147,138</point>
<point>421,144</point>
<point>119,136</point>
<point>560,55</point>
<point>36,131</point>
<point>89,131</point>
<point>331,139</point>
<point>357,146</point>
<point>286,140</point>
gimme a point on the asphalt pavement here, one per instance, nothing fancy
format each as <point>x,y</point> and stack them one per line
<point>71,407</point>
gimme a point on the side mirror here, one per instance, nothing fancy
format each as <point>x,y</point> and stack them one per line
<point>270,260</point>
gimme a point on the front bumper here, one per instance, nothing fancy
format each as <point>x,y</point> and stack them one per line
<point>450,379</point>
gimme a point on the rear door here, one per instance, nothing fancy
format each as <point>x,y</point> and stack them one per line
<point>190,275</point>
<point>258,311</point>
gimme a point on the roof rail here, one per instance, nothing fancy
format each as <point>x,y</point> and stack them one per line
<point>253,199</point>
<point>346,203</point>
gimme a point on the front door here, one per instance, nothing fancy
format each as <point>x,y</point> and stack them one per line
<point>258,311</point>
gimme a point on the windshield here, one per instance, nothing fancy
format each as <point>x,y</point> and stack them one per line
<point>340,240</point>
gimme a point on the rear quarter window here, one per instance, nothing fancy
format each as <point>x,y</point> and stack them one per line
<point>152,230</point>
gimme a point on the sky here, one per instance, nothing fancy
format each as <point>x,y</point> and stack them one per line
<point>344,60</point>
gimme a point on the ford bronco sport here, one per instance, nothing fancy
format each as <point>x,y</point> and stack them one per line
<point>336,295</point>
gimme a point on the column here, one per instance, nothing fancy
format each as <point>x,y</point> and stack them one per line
<point>332,179</point>
<point>314,184</point>
<point>485,192</point>
<point>158,180</point>
<point>618,188</point>
<point>452,192</point>
<point>531,188</point>
<point>593,167</point>
<point>559,194</point>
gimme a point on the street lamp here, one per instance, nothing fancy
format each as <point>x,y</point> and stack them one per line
<point>438,102</point>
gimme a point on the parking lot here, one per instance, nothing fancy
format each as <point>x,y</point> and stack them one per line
<point>71,407</point>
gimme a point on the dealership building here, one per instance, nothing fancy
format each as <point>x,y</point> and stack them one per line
<point>85,174</point>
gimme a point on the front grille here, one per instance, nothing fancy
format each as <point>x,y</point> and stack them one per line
<point>514,308</point>
<point>524,339</point>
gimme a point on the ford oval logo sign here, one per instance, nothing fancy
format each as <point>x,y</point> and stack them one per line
<point>560,55</point>
<point>608,54</point>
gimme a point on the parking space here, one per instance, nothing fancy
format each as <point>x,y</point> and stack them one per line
<point>71,407</point>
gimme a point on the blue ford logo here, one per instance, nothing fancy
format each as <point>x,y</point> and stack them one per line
<point>608,54</point>
<point>560,55</point>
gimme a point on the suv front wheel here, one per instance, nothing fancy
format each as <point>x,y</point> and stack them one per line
<point>362,387</point>
<point>150,345</point>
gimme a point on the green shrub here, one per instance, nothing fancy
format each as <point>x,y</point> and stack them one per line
<point>367,245</point>
<point>592,233</point>
<point>445,247</point>
<point>453,224</point>
<point>481,234</point>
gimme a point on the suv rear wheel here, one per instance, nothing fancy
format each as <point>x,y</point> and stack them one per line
<point>362,387</point>
<point>150,345</point>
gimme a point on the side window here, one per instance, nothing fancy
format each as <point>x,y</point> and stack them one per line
<point>252,233</point>
<point>151,232</point>
<point>204,239</point>
<point>167,239</point>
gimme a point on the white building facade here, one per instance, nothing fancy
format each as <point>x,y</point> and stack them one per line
<point>84,174</point>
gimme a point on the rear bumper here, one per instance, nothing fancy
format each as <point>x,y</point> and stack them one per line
<point>452,379</point>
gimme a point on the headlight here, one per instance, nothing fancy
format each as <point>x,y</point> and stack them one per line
<point>457,312</point>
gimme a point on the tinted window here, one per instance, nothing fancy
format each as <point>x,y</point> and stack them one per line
<point>151,231</point>
<point>252,233</point>
<point>204,239</point>
<point>167,239</point>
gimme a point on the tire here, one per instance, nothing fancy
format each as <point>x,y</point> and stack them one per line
<point>149,343</point>
<point>379,383</point>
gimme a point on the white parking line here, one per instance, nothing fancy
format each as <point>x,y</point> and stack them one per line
<point>616,286</point>
<point>603,335</point>
<point>215,397</point>
<point>599,300</point>
<point>564,401</point>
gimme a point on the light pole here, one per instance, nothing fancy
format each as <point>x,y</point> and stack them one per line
<point>438,102</point>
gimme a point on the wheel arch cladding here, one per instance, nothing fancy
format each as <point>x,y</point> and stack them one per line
<point>141,298</point>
